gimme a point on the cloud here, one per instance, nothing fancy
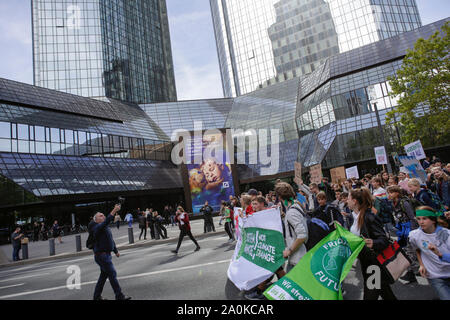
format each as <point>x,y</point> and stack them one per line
<point>197,82</point>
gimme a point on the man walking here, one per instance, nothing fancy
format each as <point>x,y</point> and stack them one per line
<point>16,239</point>
<point>207,211</point>
<point>103,246</point>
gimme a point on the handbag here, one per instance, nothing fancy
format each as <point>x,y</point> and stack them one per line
<point>393,261</point>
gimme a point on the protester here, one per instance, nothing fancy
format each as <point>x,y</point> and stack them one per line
<point>56,231</point>
<point>403,182</point>
<point>159,225</point>
<point>103,246</point>
<point>384,179</point>
<point>432,244</point>
<point>421,194</point>
<point>308,194</point>
<point>207,212</point>
<point>346,212</point>
<point>370,227</point>
<point>222,212</point>
<point>228,219</point>
<point>117,221</point>
<point>150,222</point>
<point>129,219</point>
<point>327,213</point>
<point>182,218</point>
<point>16,240</point>
<point>143,225</point>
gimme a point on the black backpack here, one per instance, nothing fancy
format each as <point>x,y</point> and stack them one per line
<point>90,241</point>
<point>317,230</point>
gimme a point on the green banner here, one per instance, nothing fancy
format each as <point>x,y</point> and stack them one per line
<point>320,273</point>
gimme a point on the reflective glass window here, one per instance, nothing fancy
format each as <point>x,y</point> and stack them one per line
<point>5,130</point>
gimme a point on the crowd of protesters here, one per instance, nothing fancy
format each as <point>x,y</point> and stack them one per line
<point>380,209</point>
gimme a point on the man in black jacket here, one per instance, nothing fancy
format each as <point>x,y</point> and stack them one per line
<point>103,246</point>
<point>207,211</point>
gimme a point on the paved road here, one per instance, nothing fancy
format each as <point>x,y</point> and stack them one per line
<point>153,273</point>
<point>40,249</point>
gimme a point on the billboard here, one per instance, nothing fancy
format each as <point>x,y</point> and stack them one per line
<point>211,179</point>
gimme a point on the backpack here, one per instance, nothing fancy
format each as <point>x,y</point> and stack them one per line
<point>437,203</point>
<point>386,210</point>
<point>317,230</point>
<point>90,241</point>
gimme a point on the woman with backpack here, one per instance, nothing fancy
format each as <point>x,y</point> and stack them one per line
<point>406,217</point>
<point>420,194</point>
<point>370,227</point>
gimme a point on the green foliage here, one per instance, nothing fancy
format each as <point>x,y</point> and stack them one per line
<point>424,80</point>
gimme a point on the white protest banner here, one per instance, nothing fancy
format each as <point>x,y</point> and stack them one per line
<point>261,251</point>
<point>415,169</point>
<point>415,150</point>
<point>352,172</point>
<point>380,155</point>
<point>298,172</point>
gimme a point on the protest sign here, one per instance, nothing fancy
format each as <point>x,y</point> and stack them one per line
<point>415,150</point>
<point>315,173</point>
<point>415,169</point>
<point>260,252</point>
<point>352,172</point>
<point>380,155</point>
<point>320,273</point>
<point>338,175</point>
<point>298,172</point>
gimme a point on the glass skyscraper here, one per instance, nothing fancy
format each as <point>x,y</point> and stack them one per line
<point>260,43</point>
<point>104,49</point>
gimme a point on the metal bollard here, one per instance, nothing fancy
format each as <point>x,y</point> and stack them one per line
<point>155,229</point>
<point>25,251</point>
<point>130,235</point>
<point>78,242</point>
<point>51,243</point>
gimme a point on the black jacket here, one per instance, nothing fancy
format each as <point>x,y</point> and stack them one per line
<point>373,229</point>
<point>103,238</point>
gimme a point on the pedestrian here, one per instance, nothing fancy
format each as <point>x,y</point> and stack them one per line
<point>150,222</point>
<point>16,240</point>
<point>143,225</point>
<point>295,225</point>
<point>228,219</point>
<point>56,231</point>
<point>346,212</point>
<point>327,213</point>
<point>103,246</point>
<point>129,219</point>
<point>43,231</point>
<point>117,220</point>
<point>172,216</point>
<point>182,218</point>
<point>406,217</point>
<point>370,227</point>
<point>36,232</point>
<point>207,212</point>
<point>159,225</point>
<point>421,194</point>
<point>222,212</point>
<point>432,244</point>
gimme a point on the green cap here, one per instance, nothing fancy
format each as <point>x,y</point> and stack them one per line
<point>426,213</point>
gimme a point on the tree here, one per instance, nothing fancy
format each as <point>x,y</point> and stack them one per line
<point>424,81</point>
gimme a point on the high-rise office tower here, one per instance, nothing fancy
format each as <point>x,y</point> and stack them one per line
<point>116,49</point>
<point>261,42</point>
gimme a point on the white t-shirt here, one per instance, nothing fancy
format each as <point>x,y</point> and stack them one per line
<point>436,267</point>
<point>181,218</point>
<point>354,228</point>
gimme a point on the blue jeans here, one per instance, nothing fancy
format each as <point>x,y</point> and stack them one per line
<point>442,287</point>
<point>15,254</point>
<point>107,272</point>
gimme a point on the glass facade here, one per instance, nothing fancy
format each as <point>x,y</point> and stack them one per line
<point>302,35</point>
<point>181,115</point>
<point>104,49</point>
<point>336,117</point>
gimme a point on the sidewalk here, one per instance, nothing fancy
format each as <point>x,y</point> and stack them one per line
<point>39,251</point>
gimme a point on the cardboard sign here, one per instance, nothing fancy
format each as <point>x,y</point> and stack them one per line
<point>415,169</point>
<point>352,172</point>
<point>298,172</point>
<point>338,175</point>
<point>380,155</point>
<point>415,150</point>
<point>316,173</point>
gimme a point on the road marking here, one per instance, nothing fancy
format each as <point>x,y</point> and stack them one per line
<point>14,285</point>
<point>119,278</point>
<point>26,277</point>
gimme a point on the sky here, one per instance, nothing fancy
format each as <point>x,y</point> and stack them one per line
<point>197,73</point>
